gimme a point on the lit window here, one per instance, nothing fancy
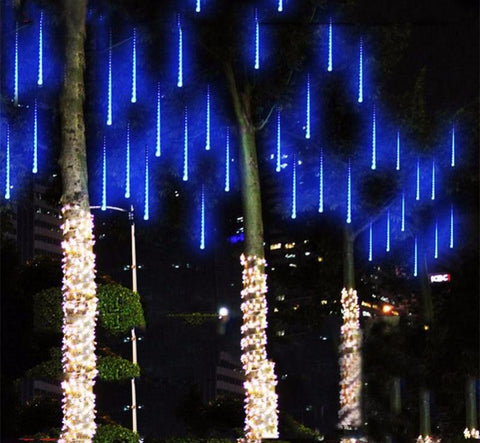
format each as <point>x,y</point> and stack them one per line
<point>275,246</point>
<point>289,245</point>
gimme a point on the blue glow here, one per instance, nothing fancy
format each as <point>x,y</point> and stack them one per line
<point>387,247</point>
<point>307,126</point>
<point>7,166</point>
<point>202,220</point>
<point>185,148</point>
<point>451,226</point>
<point>198,6</point>
<point>146,208</point>
<point>207,135</point>
<point>452,163</point>
<point>433,180</point>
<point>104,176</point>
<point>158,145</point>
<point>403,212</point>
<point>280,6</point>
<point>294,189</point>
<point>15,86</point>
<point>257,41</point>
<point>40,51</point>
<point>320,198</point>
<point>134,67</point>
<point>127,165</point>
<point>374,140</point>
<point>109,97</point>
<point>330,58</point>
<point>279,153</point>
<point>180,53</point>
<point>370,242</point>
<point>360,72</point>
<point>227,161</point>
<point>415,259</point>
<point>349,193</point>
<point>35,139</point>
<point>397,166</point>
<point>417,193</point>
<point>436,240</point>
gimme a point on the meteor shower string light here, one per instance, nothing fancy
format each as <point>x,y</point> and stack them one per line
<point>257,41</point>
<point>40,51</point>
<point>261,414</point>
<point>294,189</point>
<point>35,139</point>
<point>7,166</point>
<point>198,6</point>
<point>109,93</point>
<point>134,67</point>
<point>307,126</point>
<point>280,6</point>
<point>397,166</point>
<point>207,129</point>
<point>202,220</point>
<point>387,247</point>
<point>451,226</point>
<point>104,175</point>
<point>403,212</point>
<point>180,53</point>
<point>227,161</point>
<point>158,145</point>
<point>279,154</point>
<point>127,165</point>
<point>146,209</point>
<point>417,193</point>
<point>185,147</point>
<point>452,163</point>
<point>349,193</point>
<point>360,72</point>
<point>15,79</point>
<point>370,242</point>
<point>436,239</point>
<point>79,305</point>
<point>320,198</point>
<point>415,258</point>
<point>433,180</point>
<point>330,58</point>
<point>374,140</point>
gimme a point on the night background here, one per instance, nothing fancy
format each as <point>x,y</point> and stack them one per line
<point>399,169</point>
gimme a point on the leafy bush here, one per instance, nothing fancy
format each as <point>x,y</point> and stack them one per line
<point>112,368</point>
<point>114,434</point>
<point>48,313</point>
<point>51,369</point>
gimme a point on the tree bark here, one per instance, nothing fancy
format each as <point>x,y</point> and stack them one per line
<point>424,406</point>
<point>79,290</point>
<point>471,404</point>
<point>348,258</point>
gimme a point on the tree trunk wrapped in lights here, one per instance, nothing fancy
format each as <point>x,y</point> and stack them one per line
<point>471,430</point>
<point>350,413</point>
<point>79,298</point>
<point>261,399</point>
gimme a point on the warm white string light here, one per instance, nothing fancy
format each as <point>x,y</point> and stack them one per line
<point>428,439</point>
<point>471,433</point>
<point>79,318</point>
<point>350,416</point>
<point>261,413</point>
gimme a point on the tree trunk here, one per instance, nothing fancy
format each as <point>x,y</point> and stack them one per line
<point>426,292</point>
<point>348,258</point>
<point>471,404</point>
<point>425,427</point>
<point>79,298</point>
<point>396,396</point>
<point>261,414</point>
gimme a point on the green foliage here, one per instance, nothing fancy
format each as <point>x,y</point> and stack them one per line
<point>120,309</point>
<point>47,313</point>
<point>112,368</point>
<point>195,318</point>
<point>50,369</point>
<point>112,433</point>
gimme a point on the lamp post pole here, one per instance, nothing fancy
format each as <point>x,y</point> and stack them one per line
<point>133,336</point>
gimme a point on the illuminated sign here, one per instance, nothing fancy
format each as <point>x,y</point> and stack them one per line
<point>439,278</point>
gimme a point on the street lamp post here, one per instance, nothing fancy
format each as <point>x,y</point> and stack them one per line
<point>133,337</point>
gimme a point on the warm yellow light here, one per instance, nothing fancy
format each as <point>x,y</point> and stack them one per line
<point>261,414</point>
<point>471,433</point>
<point>289,245</point>
<point>275,246</point>
<point>79,318</point>
<point>387,309</point>
<point>426,327</point>
<point>350,416</point>
<point>428,439</point>
<point>319,259</point>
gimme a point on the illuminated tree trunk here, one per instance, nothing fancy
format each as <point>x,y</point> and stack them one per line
<point>424,406</point>
<point>261,415</point>
<point>350,413</point>
<point>471,430</point>
<point>79,298</point>
<point>396,396</point>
